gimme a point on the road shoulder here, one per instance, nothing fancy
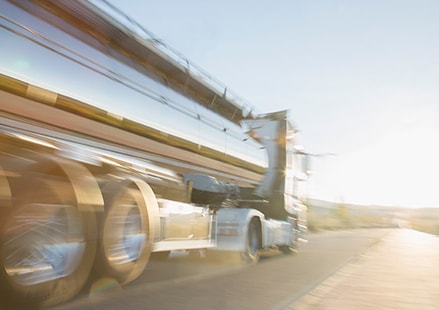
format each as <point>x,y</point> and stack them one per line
<point>399,272</point>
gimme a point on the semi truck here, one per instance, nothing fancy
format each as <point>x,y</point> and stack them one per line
<point>114,146</point>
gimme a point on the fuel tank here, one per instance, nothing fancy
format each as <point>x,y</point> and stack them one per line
<point>54,62</point>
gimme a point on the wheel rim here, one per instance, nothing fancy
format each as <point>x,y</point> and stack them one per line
<point>124,239</point>
<point>253,241</point>
<point>43,242</point>
<point>251,255</point>
<point>126,236</point>
<point>48,237</point>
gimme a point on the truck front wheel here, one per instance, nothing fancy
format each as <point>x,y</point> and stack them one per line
<point>252,254</point>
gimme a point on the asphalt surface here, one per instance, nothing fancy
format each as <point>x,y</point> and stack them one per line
<point>277,282</point>
<point>399,272</point>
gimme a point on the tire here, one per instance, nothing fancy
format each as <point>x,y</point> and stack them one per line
<point>252,254</point>
<point>126,234</point>
<point>5,197</point>
<point>48,240</point>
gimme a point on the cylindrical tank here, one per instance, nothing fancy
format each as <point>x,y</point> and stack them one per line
<point>42,54</point>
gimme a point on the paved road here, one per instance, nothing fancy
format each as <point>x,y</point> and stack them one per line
<point>400,272</point>
<point>275,283</point>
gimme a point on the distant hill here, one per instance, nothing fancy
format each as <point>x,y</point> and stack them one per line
<point>335,215</point>
<point>425,219</point>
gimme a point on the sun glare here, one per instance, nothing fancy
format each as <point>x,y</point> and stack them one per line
<point>399,168</point>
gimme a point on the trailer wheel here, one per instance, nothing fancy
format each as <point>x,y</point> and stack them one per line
<point>251,254</point>
<point>126,234</point>
<point>48,240</point>
<point>5,197</point>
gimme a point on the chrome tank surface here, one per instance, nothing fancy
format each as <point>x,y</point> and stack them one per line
<point>43,55</point>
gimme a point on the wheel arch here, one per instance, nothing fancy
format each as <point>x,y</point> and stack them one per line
<point>231,220</point>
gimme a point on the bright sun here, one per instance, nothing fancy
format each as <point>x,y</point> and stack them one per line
<point>400,168</point>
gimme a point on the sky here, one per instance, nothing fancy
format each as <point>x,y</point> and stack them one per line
<point>360,79</point>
